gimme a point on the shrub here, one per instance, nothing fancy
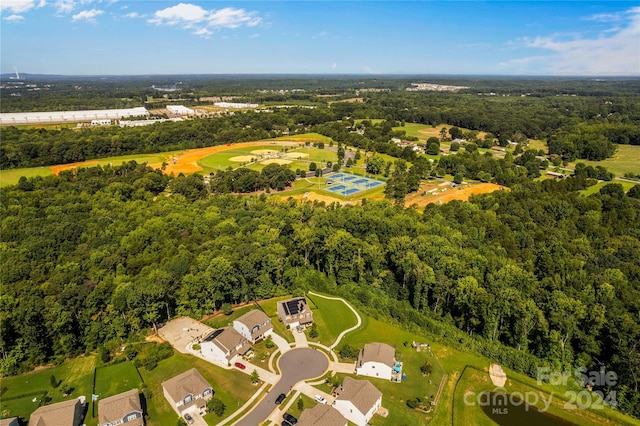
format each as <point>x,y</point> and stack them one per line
<point>348,351</point>
<point>216,406</point>
<point>268,342</point>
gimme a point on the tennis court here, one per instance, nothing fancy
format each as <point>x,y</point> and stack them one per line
<point>348,184</point>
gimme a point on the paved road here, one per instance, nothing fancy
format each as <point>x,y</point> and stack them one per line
<point>296,365</point>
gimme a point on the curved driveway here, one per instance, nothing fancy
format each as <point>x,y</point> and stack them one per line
<point>295,365</point>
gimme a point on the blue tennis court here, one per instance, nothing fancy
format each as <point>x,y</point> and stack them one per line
<point>348,184</point>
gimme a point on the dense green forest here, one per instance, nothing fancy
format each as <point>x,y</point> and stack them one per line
<point>538,275</point>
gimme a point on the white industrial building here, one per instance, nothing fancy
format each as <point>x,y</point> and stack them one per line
<point>180,110</point>
<point>10,118</point>
<point>234,105</point>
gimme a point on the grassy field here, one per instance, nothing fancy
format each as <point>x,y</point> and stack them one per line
<point>77,373</point>
<point>596,188</point>
<point>626,159</point>
<point>12,176</point>
<point>331,318</point>
<point>222,160</point>
<point>310,154</point>
<point>116,378</point>
<point>396,394</point>
<point>232,387</point>
<point>425,131</point>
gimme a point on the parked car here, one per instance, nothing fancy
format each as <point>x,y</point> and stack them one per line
<point>188,419</point>
<point>280,398</point>
<point>320,399</point>
<point>240,365</point>
<point>288,417</point>
<point>285,423</point>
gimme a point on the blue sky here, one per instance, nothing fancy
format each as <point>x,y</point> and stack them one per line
<point>99,37</point>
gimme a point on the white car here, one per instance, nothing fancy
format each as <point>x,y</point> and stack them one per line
<point>320,399</point>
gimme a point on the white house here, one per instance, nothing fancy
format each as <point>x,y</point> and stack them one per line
<point>187,390</point>
<point>254,325</point>
<point>357,400</point>
<point>376,360</point>
<point>224,345</point>
<point>121,409</point>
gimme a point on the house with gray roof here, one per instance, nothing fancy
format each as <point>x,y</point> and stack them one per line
<point>68,413</point>
<point>121,409</point>
<point>187,390</point>
<point>11,421</point>
<point>322,415</point>
<point>376,360</point>
<point>294,312</point>
<point>357,400</point>
<point>224,346</point>
<point>255,325</point>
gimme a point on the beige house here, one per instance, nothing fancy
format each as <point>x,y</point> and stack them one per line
<point>121,409</point>
<point>322,415</point>
<point>187,390</point>
<point>13,421</point>
<point>294,312</point>
<point>65,413</point>
<point>357,400</point>
<point>224,346</point>
<point>376,360</point>
<point>254,325</point>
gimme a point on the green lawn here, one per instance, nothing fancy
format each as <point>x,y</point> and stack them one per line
<point>331,317</point>
<point>222,160</point>
<point>596,188</point>
<point>396,394</point>
<point>117,378</point>
<point>12,176</point>
<point>232,387</point>
<point>77,373</point>
<point>626,159</point>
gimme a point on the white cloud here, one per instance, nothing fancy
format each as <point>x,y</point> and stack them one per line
<point>64,6</point>
<point>254,36</point>
<point>614,51</point>
<point>133,15</point>
<point>187,16</point>
<point>203,32</point>
<point>334,66</point>
<point>321,34</point>
<point>14,18</point>
<point>17,6</point>
<point>232,18</point>
<point>87,15</point>
<point>179,14</point>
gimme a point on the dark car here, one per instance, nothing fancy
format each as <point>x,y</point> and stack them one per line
<point>188,418</point>
<point>285,423</point>
<point>288,417</point>
<point>280,398</point>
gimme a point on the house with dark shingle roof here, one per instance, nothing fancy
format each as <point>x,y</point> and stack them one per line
<point>187,390</point>
<point>376,360</point>
<point>121,409</point>
<point>254,325</point>
<point>224,346</point>
<point>357,400</point>
<point>322,415</point>
<point>294,312</point>
<point>12,421</point>
<point>68,413</point>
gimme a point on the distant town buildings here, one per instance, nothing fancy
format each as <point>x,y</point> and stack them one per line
<point>12,118</point>
<point>432,87</point>
<point>180,110</point>
<point>234,105</point>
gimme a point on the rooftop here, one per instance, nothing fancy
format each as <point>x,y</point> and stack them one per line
<point>362,394</point>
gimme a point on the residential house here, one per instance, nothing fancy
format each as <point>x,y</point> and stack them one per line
<point>294,312</point>
<point>187,390</point>
<point>12,421</point>
<point>68,413</point>
<point>376,360</point>
<point>322,415</point>
<point>357,400</point>
<point>121,409</point>
<point>224,345</point>
<point>254,325</point>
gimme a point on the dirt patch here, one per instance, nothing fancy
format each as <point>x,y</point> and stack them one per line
<point>276,161</point>
<point>312,196</point>
<point>450,194</point>
<point>242,158</point>
<point>296,155</point>
<point>436,131</point>
<point>61,167</point>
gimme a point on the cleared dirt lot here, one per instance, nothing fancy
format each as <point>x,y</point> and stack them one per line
<point>180,332</point>
<point>451,194</point>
